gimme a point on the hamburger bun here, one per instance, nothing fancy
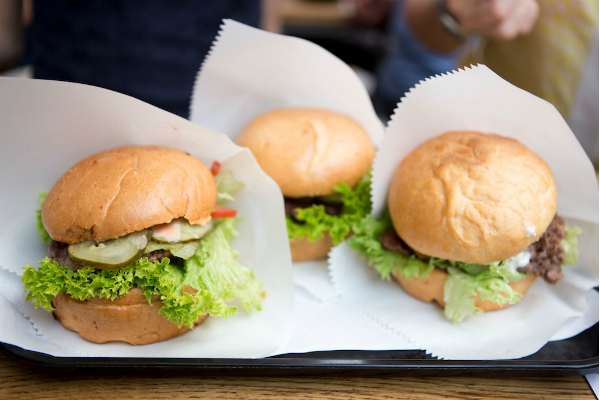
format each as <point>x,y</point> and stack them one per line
<point>431,288</point>
<point>129,318</point>
<point>126,189</point>
<point>304,250</point>
<point>472,197</point>
<point>308,151</point>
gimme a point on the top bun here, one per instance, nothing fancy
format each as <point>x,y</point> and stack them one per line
<point>126,189</point>
<point>308,151</point>
<point>472,197</point>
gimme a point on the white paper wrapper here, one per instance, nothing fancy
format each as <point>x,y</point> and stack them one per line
<point>313,276</point>
<point>477,99</point>
<point>336,325</point>
<point>49,126</point>
<point>250,72</point>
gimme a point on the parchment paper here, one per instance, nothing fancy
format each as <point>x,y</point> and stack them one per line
<point>47,127</point>
<point>477,99</point>
<point>250,72</point>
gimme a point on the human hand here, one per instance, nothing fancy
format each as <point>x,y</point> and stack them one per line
<point>496,19</point>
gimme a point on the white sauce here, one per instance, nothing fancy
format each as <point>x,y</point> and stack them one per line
<point>518,261</point>
<point>170,232</point>
<point>530,229</point>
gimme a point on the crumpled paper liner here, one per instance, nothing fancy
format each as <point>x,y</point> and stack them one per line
<point>249,72</point>
<point>48,126</point>
<point>477,99</point>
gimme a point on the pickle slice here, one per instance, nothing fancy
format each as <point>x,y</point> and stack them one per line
<point>193,231</point>
<point>181,250</point>
<point>187,251</point>
<point>110,254</point>
<point>179,230</point>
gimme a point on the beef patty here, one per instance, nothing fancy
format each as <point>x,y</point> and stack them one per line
<point>307,202</point>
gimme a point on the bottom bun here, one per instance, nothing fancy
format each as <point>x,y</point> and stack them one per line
<point>129,318</point>
<point>304,250</point>
<point>431,288</point>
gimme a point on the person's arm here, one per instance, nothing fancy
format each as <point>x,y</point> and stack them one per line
<point>11,33</point>
<point>495,19</point>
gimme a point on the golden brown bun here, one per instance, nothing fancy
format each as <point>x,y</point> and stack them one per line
<point>126,189</point>
<point>431,288</point>
<point>308,151</point>
<point>128,319</point>
<point>472,197</point>
<point>303,250</point>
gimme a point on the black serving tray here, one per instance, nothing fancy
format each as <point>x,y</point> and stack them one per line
<point>574,356</point>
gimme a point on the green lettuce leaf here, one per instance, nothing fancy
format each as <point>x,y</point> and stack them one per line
<point>570,245</point>
<point>216,269</point>
<point>365,240</point>
<point>465,280</point>
<point>499,270</point>
<point>213,272</point>
<point>461,289</point>
<point>313,222</point>
<point>42,231</point>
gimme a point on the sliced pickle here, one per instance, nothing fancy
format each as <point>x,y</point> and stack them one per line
<point>332,198</point>
<point>187,251</point>
<point>193,231</point>
<point>181,250</point>
<point>179,230</point>
<point>110,254</point>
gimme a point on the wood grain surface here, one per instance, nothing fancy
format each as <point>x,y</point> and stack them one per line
<point>20,381</point>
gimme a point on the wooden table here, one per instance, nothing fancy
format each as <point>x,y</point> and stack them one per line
<point>23,382</point>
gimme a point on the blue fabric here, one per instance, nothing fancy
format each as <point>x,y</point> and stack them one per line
<point>148,49</point>
<point>408,62</point>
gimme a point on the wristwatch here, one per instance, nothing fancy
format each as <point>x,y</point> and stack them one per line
<point>450,23</point>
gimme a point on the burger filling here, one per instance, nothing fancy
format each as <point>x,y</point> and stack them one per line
<point>543,258</point>
<point>178,239</point>
<point>192,268</point>
<point>331,207</point>
<point>334,214</point>
<point>377,240</point>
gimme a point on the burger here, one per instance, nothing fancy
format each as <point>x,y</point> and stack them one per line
<point>320,159</point>
<point>471,223</point>
<point>139,247</point>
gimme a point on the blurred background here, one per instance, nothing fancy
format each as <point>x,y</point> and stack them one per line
<point>152,49</point>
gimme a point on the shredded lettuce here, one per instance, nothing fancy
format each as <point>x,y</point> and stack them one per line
<point>313,222</point>
<point>40,226</point>
<point>570,245</point>
<point>213,272</point>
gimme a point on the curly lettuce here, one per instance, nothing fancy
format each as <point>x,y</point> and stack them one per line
<point>313,222</point>
<point>365,240</point>
<point>213,272</point>
<point>40,226</point>
<point>461,289</point>
<point>466,282</point>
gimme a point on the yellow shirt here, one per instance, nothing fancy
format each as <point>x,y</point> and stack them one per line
<point>549,62</point>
